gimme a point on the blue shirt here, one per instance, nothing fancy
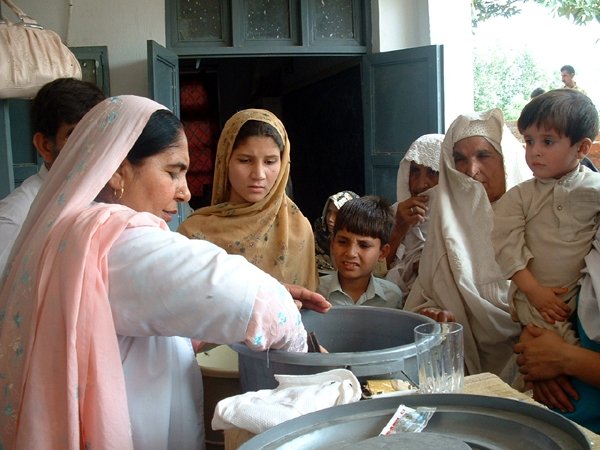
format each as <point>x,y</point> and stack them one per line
<point>587,409</point>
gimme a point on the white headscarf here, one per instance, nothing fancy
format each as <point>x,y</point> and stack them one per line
<point>458,270</point>
<point>424,151</point>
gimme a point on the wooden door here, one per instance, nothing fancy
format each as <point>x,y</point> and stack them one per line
<point>163,86</point>
<point>403,99</point>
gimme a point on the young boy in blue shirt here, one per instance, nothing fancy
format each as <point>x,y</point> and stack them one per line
<point>360,240</point>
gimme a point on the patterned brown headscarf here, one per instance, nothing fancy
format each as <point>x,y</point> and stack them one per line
<point>272,234</point>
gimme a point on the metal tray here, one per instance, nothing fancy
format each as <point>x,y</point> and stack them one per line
<point>481,422</point>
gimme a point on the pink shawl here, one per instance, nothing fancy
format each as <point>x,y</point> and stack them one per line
<point>61,377</point>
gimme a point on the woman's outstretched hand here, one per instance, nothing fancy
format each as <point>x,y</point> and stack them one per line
<point>308,299</point>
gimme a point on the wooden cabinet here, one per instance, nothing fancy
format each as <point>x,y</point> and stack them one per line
<point>261,27</point>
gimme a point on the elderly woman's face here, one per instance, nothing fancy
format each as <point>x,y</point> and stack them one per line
<point>477,158</point>
<point>159,184</point>
<point>421,178</point>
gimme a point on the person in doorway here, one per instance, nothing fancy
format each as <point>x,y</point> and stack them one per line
<point>418,173</point>
<point>459,279</point>
<point>567,75</point>
<point>55,111</point>
<point>251,214</point>
<point>323,229</point>
<point>103,299</point>
<point>552,217</point>
<point>360,240</point>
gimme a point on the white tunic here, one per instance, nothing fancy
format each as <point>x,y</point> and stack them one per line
<point>547,225</point>
<point>13,211</point>
<point>199,299</point>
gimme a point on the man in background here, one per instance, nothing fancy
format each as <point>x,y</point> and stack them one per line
<point>56,109</point>
<point>567,73</point>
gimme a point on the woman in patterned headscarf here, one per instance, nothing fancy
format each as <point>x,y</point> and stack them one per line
<point>100,294</point>
<point>458,275</point>
<point>251,214</point>
<point>417,173</point>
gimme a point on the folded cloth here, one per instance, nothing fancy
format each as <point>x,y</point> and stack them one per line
<point>295,395</point>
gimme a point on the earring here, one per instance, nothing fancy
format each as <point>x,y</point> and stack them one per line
<point>119,194</point>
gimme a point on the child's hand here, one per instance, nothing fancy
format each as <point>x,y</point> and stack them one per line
<point>547,301</point>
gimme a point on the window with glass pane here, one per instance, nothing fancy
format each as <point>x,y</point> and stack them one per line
<point>334,19</point>
<point>199,20</point>
<point>268,19</point>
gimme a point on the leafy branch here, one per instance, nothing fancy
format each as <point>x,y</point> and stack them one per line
<point>579,11</point>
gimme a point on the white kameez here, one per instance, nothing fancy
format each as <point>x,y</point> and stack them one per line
<point>199,299</point>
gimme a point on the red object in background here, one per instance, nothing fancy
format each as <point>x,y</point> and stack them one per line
<point>201,132</point>
<point>201,142</point>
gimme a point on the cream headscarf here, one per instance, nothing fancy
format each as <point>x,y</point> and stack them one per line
<point>458,270</point>
<point>61,377</point>
<point>272,234</point>
<point>424,151</point>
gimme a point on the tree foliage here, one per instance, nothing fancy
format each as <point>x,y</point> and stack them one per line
<point>579,11</point>
<point>505,80</point>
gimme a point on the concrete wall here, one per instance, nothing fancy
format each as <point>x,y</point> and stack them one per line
<point>415,23</point>
<point>125,26</point>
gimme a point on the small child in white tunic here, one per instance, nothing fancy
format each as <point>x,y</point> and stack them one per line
<point>544,227</point>
<point>360,241</point>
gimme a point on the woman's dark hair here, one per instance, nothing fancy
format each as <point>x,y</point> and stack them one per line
<point>253,128</point>
<point>161,132</point>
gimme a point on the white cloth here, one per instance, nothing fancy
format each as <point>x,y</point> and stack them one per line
<point>295,396</point>
<point>547,225</point>
<point>163,380</point>
<point>458,270</point>
<point>13,211</point>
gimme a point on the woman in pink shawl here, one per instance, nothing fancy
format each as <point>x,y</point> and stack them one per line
<point>99,292</point>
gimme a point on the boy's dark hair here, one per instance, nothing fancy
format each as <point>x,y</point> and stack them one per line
<point>64,100</point>
<point>366,216</point>
<point>567,111</point>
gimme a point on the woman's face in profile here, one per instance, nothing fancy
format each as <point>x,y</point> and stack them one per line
<point>253,169</point>
<point>159,184</point>
<point>477,158</point>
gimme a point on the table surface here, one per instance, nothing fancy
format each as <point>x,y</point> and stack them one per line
<point>481,384</point>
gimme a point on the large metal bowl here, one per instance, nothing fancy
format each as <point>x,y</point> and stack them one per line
<point>481,422</point>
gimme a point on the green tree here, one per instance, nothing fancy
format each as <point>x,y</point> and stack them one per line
<point>505,78</point>
<point>579,11</point>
